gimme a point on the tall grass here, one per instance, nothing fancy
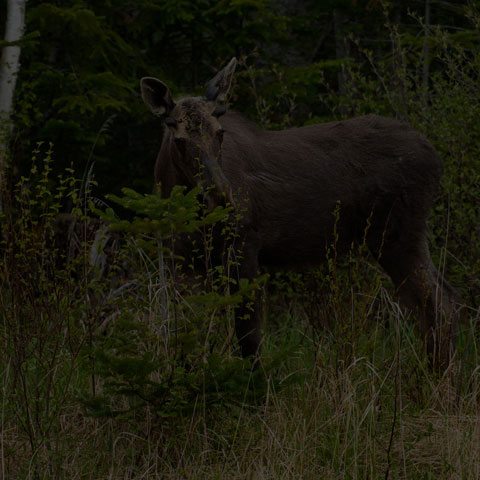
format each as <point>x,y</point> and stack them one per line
<point>345,389</point>
<point>380,416</point>
<point>132,371</point>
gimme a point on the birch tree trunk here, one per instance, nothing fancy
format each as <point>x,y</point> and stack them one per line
<point>9,66</point>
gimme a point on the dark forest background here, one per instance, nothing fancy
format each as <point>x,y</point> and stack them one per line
<point>78,85</point>
<point>113,366</point>
<point>301,62</point>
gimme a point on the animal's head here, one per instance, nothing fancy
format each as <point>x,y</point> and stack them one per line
<point>194,130</point>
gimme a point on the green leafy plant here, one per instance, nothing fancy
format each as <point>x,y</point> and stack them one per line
<point>174,352</point>
<point>45,306</point>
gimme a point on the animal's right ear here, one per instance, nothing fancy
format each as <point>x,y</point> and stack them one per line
<point>156,96</point>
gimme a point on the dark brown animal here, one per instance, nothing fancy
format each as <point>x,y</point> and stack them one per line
<point>368,178</point>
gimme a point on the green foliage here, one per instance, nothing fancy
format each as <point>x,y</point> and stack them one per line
<point>169,349</point>
<point>41,316</point>
<point>175,360</point>
<point>174,215</point>
<point>340,299</point>
<point>137,371</point>
<point>81,66</point>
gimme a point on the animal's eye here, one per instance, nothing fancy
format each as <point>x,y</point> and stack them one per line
<point>170,122</point>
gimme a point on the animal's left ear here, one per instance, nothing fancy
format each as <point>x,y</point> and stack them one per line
<point>219,85</point>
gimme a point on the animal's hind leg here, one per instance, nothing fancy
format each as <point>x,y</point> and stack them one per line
<point>422,289</point>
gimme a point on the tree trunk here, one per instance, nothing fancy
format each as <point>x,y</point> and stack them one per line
<point>426,53</point>
<point>341,53</point>
<point>9,66</point>
<point>10,62</point>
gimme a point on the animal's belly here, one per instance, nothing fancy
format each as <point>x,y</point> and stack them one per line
<point>307,250</point>
<point>308,240</point>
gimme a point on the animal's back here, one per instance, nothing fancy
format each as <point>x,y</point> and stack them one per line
<point>306,179</point>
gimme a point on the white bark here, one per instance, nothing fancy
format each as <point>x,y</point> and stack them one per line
<point>9,66</point>
<point>10,63</point>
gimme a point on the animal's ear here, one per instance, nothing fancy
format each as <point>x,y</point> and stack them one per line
<point>219,85</point>
<point>156,96</point>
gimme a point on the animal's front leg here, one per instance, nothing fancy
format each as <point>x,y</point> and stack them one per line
<point>248,323</point>
<point>248,317</point>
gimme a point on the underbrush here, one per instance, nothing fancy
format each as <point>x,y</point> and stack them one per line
<point>128,367</point>
<point>115,363</point>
